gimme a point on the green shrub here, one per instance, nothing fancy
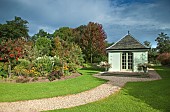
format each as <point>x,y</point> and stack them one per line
<point>72,67</point>
<point>43,45</point>
<point>3,72</point>
<point>99,58</point>
<point>20,71</point>
<point>17,70</point>
<point>22,68</point>
<point>25,63</point>
<point>46,63</point>
<point>57,61</point>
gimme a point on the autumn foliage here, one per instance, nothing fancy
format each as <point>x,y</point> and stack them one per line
<point>46,54</point>
<point>11,49</point>
<point>164,58</point>
<point>92,41</point>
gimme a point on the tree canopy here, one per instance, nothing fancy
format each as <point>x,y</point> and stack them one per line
<point>65,33</point>
<point>13,29</point>
<point>65,49</point>
<point>163,43</point>
<point>152,53</point>
<point>147,44</point>
<point>41,33</point>
<point>92,41</point>
<point>90,38</point>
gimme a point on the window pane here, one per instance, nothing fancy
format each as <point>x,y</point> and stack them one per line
<point>123,60</point>
<point>129,60</point>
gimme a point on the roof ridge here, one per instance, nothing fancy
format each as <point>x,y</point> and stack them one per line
<point>116,42</point>
<point>127,42</point>
<point>137,40</point>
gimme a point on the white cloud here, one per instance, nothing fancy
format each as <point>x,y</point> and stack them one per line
<point>139,14</point>
<point>143,19</point>
<point>77,12</point>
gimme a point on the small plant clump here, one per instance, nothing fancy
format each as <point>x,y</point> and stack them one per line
<point>34,79</point>
<point>143,67</point>
<point>22,79</point>
<point>54,75</point>
<point>105,65</point>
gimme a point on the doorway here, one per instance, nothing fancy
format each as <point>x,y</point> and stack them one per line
<point>127,61</point>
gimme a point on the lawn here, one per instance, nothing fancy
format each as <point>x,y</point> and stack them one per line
<point>152,96</point>
<point>10,92</point>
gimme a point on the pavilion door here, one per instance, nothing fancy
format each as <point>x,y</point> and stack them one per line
<point>127,61</point>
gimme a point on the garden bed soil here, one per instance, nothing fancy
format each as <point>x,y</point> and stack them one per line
<point>41,79</point>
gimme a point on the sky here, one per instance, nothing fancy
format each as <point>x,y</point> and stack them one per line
<point>145,19</point>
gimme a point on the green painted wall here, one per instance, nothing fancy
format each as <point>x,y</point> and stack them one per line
<point>114,58</point>
<point>139,58</point>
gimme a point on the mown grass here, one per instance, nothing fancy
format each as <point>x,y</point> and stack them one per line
<point>151,96</point>
<point>10,92</point>
<point>154,93</point>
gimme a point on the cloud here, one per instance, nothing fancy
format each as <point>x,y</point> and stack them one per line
<point>142,14</point>
<point>144,18</point>
<point>65,12</point>
<point>59,13</point>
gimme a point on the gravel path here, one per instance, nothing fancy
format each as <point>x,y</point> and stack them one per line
<point>121,81</point>
<point>95,94</point>
<point>68,101</point>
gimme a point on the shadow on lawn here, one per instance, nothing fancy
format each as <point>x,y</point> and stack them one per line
<point>137,75</point>
<point>93,68</point>
<point>155,93</point>
<point>91,71</point>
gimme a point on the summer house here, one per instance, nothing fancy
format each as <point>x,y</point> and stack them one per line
<point>126,55</point>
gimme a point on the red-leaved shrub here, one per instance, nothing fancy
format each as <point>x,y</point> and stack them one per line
<point>164,58</point>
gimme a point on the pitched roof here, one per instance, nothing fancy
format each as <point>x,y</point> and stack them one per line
<point>126,43</point>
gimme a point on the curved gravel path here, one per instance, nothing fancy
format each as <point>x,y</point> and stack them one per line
<point>121,81</point>
<point>68,101</point>
<point>85,97</point>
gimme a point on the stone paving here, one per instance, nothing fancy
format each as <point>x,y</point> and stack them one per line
<point>117,80</point>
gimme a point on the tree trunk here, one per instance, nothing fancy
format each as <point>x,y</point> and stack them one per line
<point>9,69</point>
<point>91,58</point>
<point>62,70</point>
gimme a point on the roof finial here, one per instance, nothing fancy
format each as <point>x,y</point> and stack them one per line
<point>128,32</point>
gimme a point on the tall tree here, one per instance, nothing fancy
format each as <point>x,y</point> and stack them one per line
<point>65,33</point>
<point>78,32</point>
<point>163,43</point>
<point>93,41</point>
<point>108,44</point>
<point>16,28</point>
<point>147,44</point>
<point>41,33</point>
<point>152,53</point>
